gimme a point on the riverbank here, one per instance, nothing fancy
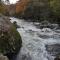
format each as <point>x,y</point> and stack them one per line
<point>10,39</point>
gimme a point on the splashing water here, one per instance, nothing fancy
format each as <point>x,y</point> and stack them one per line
<point>34,41</point>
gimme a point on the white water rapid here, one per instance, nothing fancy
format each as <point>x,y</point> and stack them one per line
<point>34,41</point>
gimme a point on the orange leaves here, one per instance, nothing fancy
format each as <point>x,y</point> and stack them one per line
<point>21,5</point>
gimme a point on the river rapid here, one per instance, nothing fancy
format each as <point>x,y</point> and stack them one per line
<point>34,40</point>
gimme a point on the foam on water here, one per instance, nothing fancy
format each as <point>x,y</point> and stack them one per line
<point>33,42</point>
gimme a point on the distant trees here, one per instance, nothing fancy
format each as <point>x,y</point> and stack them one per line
<point>55,6</point>
<point>38,10</point>
<point>55,9</point>
<point>2,7</point>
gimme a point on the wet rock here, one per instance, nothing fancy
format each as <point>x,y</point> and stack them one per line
<point>45,24</point>
<point>57,30</point>
<point>46,33</point>
<point>44,36</point>
<point>10,39</point>
<point>15,24</point>
<point>54,26</point>
<point>53,49</point>
<point>47,30</point>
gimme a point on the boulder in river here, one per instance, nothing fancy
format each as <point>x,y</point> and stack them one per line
<point>10,39</point>
<point>53,49</point>
<point>45,24</point>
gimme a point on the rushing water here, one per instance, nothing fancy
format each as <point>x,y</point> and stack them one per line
<point>34,41</point>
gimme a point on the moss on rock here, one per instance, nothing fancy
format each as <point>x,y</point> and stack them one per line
<point>10,39</point>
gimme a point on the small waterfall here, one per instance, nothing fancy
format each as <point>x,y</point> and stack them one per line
<point>35,40</point>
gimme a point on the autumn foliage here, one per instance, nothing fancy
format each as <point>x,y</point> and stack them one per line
<point>2,8</point>
<point>21,5</point>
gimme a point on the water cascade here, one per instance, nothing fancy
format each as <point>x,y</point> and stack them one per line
<point>35,41</point>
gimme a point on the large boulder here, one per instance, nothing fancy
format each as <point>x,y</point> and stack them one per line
<point>10,39</point>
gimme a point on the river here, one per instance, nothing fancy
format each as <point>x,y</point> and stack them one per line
<point>34,41</point>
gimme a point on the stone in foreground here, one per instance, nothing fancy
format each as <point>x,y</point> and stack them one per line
<point>10,39</point>
<point>3,57</point>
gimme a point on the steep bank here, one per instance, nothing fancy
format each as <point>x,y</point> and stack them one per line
<point>10,39</point>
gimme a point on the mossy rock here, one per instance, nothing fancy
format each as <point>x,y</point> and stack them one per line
<point>10,39</point>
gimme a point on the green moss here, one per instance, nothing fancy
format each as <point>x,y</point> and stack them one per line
<point>18,40</point>
<point>10,41</point>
